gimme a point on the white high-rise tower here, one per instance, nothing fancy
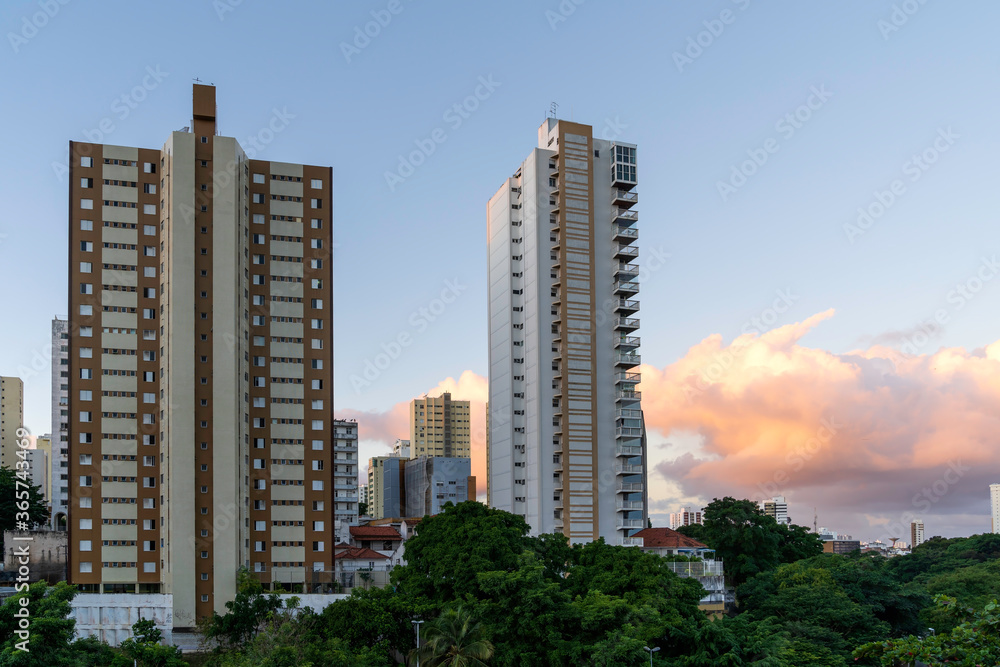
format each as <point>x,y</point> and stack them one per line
<point>566,440</point>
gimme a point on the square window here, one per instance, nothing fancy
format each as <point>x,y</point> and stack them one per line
<point>86,162</point>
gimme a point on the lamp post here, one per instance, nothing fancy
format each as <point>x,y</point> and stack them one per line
<point>416,626</point>
<point>651,652</point>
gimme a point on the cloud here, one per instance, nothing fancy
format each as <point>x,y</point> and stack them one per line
<point>859,436</point>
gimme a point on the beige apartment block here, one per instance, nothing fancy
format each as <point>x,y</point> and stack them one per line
<point>439,427</point>
<point>200,368</point>
<point>11,418</point>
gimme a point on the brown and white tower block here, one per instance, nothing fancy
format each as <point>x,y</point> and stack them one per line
<point>200,370</point>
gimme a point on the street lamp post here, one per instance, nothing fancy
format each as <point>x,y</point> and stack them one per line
<point>651,652</point>
<point>416,626</point>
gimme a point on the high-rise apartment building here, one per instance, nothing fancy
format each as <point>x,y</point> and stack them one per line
<point>11,419</point>
<point>685,517</point>
<point>566,437</point>
<point>439,426</point>
<point>995,507</point>
<point>916,533</point>
<point>42,477</point>
<point>386,486</point>
<point>60,423</point>
<point>776,508</point>
<point>401,448</point>
<point>345,474</point>
<point>432,481</point>
<point>200,368</point>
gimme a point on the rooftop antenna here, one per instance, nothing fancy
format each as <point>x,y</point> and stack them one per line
<point>197,80</point>
<point>552,110</point>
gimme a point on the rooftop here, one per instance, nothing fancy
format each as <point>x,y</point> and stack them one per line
<point>375,533</point>
<point>665,537</point>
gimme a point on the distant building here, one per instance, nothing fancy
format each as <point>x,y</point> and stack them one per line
<point>840,546</point>
<point>916,533</point>
<point>432,481</point>
<point>995,505</point>
<point>439,427</point>
<point>385,486</point>
<point>685,517</point>
<point>708,572</point>
<point>401,448</point>
<point>11,418</point>
<point>776,508</point>
<point>42,477</point>
<point>60,424</point>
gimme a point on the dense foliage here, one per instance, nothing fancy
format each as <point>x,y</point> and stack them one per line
<point>487,593</point>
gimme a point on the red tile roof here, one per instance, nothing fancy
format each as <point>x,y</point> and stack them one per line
<point>670,539</point>
<point>358,553</point>
<point>375,533</point>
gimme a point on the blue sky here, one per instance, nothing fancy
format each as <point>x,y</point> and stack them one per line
<point>612,65</point>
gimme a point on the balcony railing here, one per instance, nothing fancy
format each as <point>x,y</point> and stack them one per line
<point>624,524</point>
<point>628,450</point>
<point>628,505</point>
<point>627,341</point>
<point>626,251</point>
<point>628,377</point>
<point>624,197</point>
<point>628,432</point>
<point>619,232</point>
<point>628,360</point>
<point>629,469</point>
<point>711,568</point>
<point>631,541</point>
<point>630,487</point>
<point>626,306</point>
<point>626,413</point>
<point>626,287</point>
<point>628,395</point>
<point>626,323</point>
<point>624,214</point>
<point>625,271</point>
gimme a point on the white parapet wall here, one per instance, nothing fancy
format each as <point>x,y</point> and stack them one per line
<point>109,616</point>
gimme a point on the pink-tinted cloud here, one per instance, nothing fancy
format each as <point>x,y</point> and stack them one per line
<point>862,433</point>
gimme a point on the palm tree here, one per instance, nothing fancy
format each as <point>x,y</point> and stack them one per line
<point>454,639</point>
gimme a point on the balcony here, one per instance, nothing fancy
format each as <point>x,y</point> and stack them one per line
<point>626,271</point>
<point>628,432</point>
<point>628,450</point>
<point>628,505</point>
<point>626,323</point>
<point>629,469</point>
<point>626,287</point>
<point>626,306</point>
<point>624,198</point>
<point>624,215</point>
<point>626,252</point>
<point>628,524</point>
<point>628,377</point>
<point>629,487</point>
<point>631,542</point>
<point>627,360</point>
<point>346,436</point>
<point>628,413</point>
<point>627,342</point>
<point>624,235</point>
<point>625,396</point>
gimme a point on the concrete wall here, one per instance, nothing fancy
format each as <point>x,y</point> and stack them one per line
<point>110,617</point>
<point>46,555</point>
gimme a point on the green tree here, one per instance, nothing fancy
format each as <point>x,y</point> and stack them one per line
<point>246,614</point>
<point>454,639</point>
<point>16,500</point>
<point>974,642</point>
<point>747,540</point>
<point>451,548</point>
<point>50,631</point>
<point>378,619</point>
<point>796,542</point>
<point>145,647</point>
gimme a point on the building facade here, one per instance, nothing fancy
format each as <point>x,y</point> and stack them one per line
<point>439,427</point>
<point>776,508</point>
<point>995,507</point>
<point>200,368</point>
<point>41,467</point>
<point>386,486</point>
<point>685,517</point>
<point>566,446</point>
<point>11,418</point>
<point>432,481</point>
<point>345,474</point>
<point>60,423</point>
<point>916,533</point>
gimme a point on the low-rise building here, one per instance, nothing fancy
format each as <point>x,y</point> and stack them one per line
<point>704,566</point>
<point>840,546</point>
